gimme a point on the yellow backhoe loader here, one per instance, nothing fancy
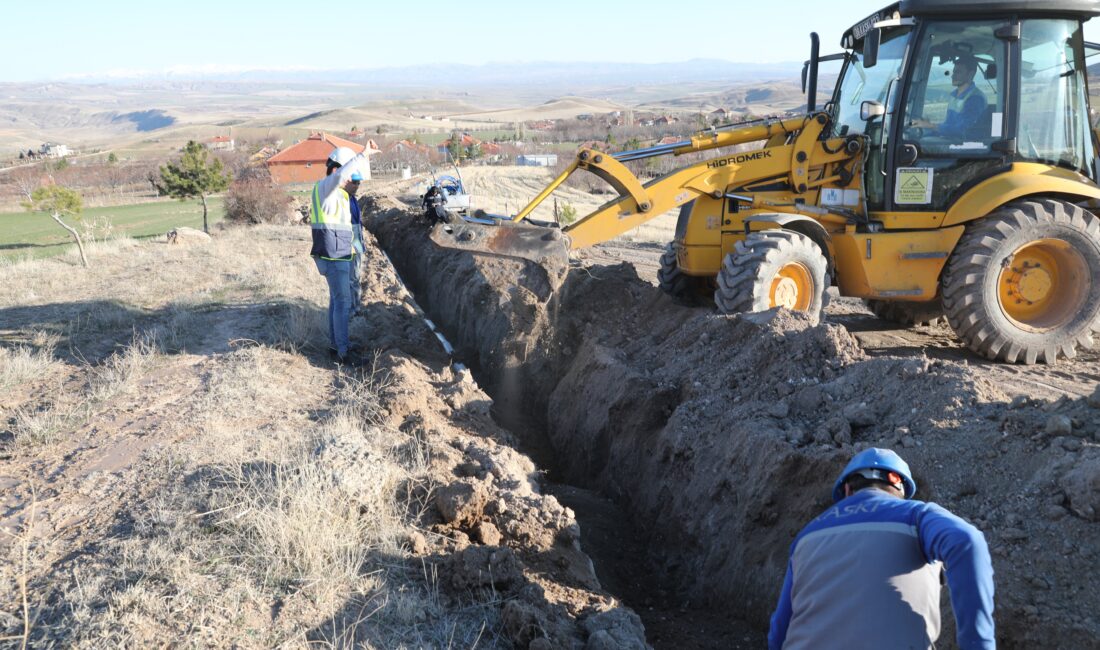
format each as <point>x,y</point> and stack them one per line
<point>951,173</point>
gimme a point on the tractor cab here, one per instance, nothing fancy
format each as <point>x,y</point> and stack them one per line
<point>950,93</point>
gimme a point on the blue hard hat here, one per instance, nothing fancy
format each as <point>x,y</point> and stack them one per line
<point>883,460</point>
<point>356,176</point>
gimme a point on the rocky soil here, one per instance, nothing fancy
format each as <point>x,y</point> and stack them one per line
<point>721,436</point>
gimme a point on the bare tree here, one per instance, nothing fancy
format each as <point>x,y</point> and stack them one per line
<point>26,179</point>
<point>58,202</point>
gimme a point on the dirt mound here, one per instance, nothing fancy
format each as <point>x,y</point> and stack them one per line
<point>722,435</point>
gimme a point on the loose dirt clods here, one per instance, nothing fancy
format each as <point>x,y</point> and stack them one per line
<point>721,436</point>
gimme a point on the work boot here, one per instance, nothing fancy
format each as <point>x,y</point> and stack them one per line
<point>350,360</point>
<point>334,354</point>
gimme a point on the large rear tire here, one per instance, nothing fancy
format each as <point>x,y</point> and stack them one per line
<point>773,268</point>
<point>929,312</point>
<point>1023,284</point>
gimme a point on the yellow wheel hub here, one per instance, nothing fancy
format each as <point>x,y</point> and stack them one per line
<point>792,287</point>
<point>1043,284</point>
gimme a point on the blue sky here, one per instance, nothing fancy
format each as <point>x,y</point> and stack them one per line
<point>68,38</point>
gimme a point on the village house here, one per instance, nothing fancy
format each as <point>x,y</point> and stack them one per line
<point>221,143</point>
<point>304,162</point>
<point>54,150</point>
<point>469,144</point>
<point>407,147</point>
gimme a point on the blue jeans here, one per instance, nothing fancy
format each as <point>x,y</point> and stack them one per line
<point>338,274</point>
<point>356,291</point>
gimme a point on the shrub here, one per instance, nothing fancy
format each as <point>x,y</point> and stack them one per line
<point>567,215</point>
<point>255,200</point>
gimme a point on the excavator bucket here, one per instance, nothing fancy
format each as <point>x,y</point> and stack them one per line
<point>542,245</point>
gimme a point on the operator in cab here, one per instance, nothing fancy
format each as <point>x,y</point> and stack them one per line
<point>965,108</point>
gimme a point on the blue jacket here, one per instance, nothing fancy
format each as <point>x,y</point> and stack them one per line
<point>964,115</point>
<point>357,228</point>
<point>866,574</point>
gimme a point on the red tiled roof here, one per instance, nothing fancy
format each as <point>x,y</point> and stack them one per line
<point>316,148</point>
<point>221,138</point>
<point>467,140</point>
<point>407,144</point>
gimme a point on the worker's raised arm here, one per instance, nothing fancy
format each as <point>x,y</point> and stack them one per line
<point>963,550</point>
<point>334,181</point>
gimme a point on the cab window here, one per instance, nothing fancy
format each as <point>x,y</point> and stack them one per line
<point>1054,121</point>
<point>954,113</point>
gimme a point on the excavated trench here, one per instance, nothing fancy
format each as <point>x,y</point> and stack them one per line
<point>719,438</point>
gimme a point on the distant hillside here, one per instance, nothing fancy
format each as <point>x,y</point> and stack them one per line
<point>445,75</point>
<point>156,113</point>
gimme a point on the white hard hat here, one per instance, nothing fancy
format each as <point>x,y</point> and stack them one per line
<point>341,155</point>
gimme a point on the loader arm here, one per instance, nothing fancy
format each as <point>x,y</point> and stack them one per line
<point>798,159</point>
<point>792,150</point>
<point>611,169</point>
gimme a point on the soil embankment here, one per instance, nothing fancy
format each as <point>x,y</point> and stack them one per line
<point>721,436</point>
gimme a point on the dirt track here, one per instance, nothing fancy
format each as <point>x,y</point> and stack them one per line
<point>721,436</point>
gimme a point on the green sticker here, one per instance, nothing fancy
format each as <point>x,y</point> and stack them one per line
<point>914,186</point>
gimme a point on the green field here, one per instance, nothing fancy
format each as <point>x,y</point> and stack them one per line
<point>26,234</point>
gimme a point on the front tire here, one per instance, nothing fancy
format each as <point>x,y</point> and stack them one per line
<point>680,286</point>
<point>1023,284</point>
<point>773,268</point>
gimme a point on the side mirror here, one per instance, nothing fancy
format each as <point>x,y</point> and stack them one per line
<point>870,47</point>
<point>871,109</point>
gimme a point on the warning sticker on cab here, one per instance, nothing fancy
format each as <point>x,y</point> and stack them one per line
<point>913,186</point>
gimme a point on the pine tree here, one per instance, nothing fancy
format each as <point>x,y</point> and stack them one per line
<point>195,175</point>
<point>454,147</point>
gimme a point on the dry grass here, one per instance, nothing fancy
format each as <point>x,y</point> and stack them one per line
<point>68,410</point>
<point>303,519</point>
<point>276,513</point>
<point>122,370</point>
<point>25,362</point>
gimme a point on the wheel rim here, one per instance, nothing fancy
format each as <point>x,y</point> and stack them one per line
<point>792,287</point>
<point>1043,285</point>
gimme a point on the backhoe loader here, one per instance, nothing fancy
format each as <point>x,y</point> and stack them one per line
<point>951,173</point>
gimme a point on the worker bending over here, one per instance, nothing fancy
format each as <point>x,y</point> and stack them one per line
<point>866,572</point>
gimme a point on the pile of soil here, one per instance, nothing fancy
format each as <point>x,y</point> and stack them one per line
<point>722,436</point>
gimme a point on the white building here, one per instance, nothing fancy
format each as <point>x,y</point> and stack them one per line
<point>537,159</point>
<point>53,150</point>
